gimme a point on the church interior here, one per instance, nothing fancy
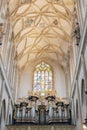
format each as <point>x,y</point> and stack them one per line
<point>43,64</point>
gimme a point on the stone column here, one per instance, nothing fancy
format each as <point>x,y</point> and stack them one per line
<point>2,121</point>
<point>68,85</point>
<point>9,60</point>
<point>29,128</point>
<point>16,84</point>
<point>85,76</point>
<point>79,102</point>
<point>1,91</point>
<point>0,82</point>
<point>3,87</point>
<point>67,75</point>
<point>52,127</point>
<point>84,70</point>
<point>73,112</point>
<point>7,118</point>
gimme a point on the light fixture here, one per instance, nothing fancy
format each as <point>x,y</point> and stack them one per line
<point>84,126</point>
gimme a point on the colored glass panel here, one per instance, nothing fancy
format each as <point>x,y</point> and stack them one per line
<point>42,78</point>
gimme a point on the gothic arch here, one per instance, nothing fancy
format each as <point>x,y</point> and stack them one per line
<point>42,78</point>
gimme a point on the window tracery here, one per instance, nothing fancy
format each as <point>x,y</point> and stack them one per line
<point>43,79</point>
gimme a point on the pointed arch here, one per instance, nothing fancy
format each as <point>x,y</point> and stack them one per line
<point>43,79</point>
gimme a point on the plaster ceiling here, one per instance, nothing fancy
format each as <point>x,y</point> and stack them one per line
<point>42,29</point>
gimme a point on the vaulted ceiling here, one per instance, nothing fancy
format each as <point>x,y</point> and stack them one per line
<point>42,29</point>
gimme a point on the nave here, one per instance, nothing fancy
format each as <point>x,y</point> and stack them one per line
<point>43,64</point>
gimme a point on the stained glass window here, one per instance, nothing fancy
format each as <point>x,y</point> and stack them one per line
<point>43,81</point>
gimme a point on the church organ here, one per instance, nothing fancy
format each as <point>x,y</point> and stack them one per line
<point>50,111</point>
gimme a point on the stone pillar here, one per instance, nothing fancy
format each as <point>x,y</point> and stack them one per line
<point>79,13</point>
<point>52,127</point>
<point>73,112</point>
<point>68,84</point>
<point>2,120</point>
<point>7,118</point>
<point>29,128</point>
<point>9,60</point>
<point>3,87</point>
<point>85,76</point>
<point>16,84</point>
<point>1,78</point>
<point>14,80</point>
<point>67,75</point>
<point>84,70</point>
<point>79,102</point>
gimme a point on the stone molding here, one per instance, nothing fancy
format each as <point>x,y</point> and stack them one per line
<point>41,127</point>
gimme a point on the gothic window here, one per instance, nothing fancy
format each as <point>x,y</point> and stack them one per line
<point>43,80</point>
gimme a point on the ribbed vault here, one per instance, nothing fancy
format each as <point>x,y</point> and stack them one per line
<point>42,29</point>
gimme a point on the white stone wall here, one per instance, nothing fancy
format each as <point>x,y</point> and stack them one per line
<point>8,68</point>
<point>80,74</point>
